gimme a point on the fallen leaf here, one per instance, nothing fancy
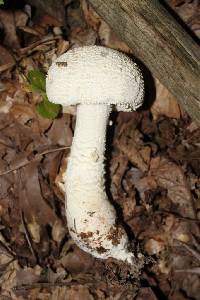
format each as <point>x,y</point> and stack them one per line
<point>153,246</point>
<point>25,115</point>
<point>32,203</point>
<point>10,36</point>
<point>146,293</point>
<point>75,293</point>
<point>165,103</point>
<point>21,18</point>
<point>60,132</point>
<point>6,58</point>
<point>8,281</point>
<point>106,35</point>
<point>52,8</point>
<point>171,177</point>
<point>77,261</point>
<point>28,275</point>
<point>189,11</point>
<point>58,231</point>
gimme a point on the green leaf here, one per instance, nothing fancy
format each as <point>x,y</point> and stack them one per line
<point>37,81</point>
<point>1,2</point>
<point>48,109</point>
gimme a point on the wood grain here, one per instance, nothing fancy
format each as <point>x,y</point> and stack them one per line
<point>160,42</point>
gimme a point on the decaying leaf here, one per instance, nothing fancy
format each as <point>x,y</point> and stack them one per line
<point>171,177</point>
<point>7,61</point>
<point>165,103</point>
<point>34,206</point>
<point>8,20</point>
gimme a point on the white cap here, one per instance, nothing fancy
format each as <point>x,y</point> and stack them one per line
<point>95,75</point>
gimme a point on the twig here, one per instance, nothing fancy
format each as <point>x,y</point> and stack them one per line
<point>5,250</point>
<point>27,235</point>
<point>4,266</point>
<point>177,216</point>
<point>23,51</point>
<point>191,250</point>
<point>5,145</point>
<point>36,157</point>
<point>36,44</point>
<point>193,270</point>
<point>7,66</point>
<point>168,213</point>
<point>50,285</point>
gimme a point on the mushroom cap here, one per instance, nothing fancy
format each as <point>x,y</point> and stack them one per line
<point>95,75</point>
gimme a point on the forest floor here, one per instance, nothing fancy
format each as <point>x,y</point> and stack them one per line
<point>153,170</point>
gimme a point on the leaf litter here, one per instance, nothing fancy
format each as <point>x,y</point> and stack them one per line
<point>153,172</point>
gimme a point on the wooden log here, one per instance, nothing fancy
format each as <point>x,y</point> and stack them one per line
<point>160,42</point>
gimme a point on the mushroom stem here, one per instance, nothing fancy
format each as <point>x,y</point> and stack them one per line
<point>91,217</point>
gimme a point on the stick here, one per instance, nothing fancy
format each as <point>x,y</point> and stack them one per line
<point>158,40</point>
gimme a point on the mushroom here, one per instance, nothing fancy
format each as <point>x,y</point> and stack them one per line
<point>94,78</point>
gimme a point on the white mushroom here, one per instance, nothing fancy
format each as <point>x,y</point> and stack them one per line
<point>95,78</point>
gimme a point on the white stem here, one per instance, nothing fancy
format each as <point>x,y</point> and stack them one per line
<point>91,217</point>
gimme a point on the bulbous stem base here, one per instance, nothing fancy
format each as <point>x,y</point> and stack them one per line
<point>91,217</point>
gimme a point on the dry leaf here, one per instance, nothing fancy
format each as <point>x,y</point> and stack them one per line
<point>107,37</point>
<point>10,36</point>
<point>165,103</point>
<point>78,261</point>
<point>146,294</point>
<point>28,276</point>
<point>189,11</point>
<point>32,203</point>
<point>171,177</point>
<point>6,59</point>
<point>75,293</point>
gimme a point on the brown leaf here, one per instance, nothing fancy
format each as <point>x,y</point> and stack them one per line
<point>8,281</point>
<point>60,132</point>
<point>165,103</point>
<point>75,293</point>
<point>118,167</point>
<point>146,293</point>
<point>83,37</point>
<point>28,275</point>
<point>154,246</point>
<point>107,37</point>
<point>32,203</point>
<point>6,58</point>
<point>77,261</point>
<point>58,231</point>
<point>189,11</point>
<point>177,296</point>
<point>171,177</point>
<point>10,36</point>
<point>25,114</point>
<point>132,153</point>
<point>91,17</point>
<point>128,206</point>
<point>51,7</point>
<point>21,18</point>
<point>59,181</point>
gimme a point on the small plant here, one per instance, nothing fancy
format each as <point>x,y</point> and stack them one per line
<point>37,84</point>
